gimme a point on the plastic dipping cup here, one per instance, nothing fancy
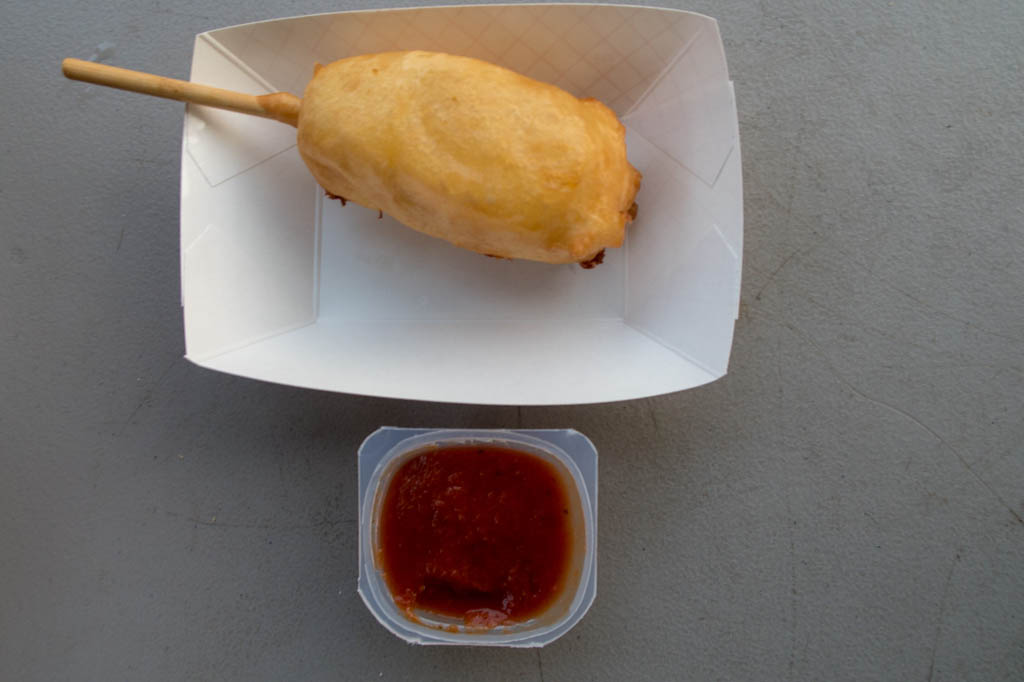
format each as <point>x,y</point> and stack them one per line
<point>573,456</point>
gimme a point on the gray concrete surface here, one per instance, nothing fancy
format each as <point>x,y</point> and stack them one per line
<point>845,505</point>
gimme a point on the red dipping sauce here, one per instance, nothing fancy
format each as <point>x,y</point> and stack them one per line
<point>475,532</point>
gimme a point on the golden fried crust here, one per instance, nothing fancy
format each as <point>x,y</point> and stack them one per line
<point>470,152</point>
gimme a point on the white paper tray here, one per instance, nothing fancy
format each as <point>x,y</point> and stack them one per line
<point>283,285</point>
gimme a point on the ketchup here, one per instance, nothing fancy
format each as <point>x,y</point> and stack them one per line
<point>475,532</point>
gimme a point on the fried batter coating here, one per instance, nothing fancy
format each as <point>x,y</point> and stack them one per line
<point>470,152</point>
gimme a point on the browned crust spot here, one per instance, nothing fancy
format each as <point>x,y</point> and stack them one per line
<point>593,261</point>
<point>342,199</point>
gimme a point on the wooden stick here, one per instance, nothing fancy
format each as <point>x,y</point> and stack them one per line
<point>280,106</point>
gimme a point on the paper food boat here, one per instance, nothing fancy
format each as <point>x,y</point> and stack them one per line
<point>281,284</point>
